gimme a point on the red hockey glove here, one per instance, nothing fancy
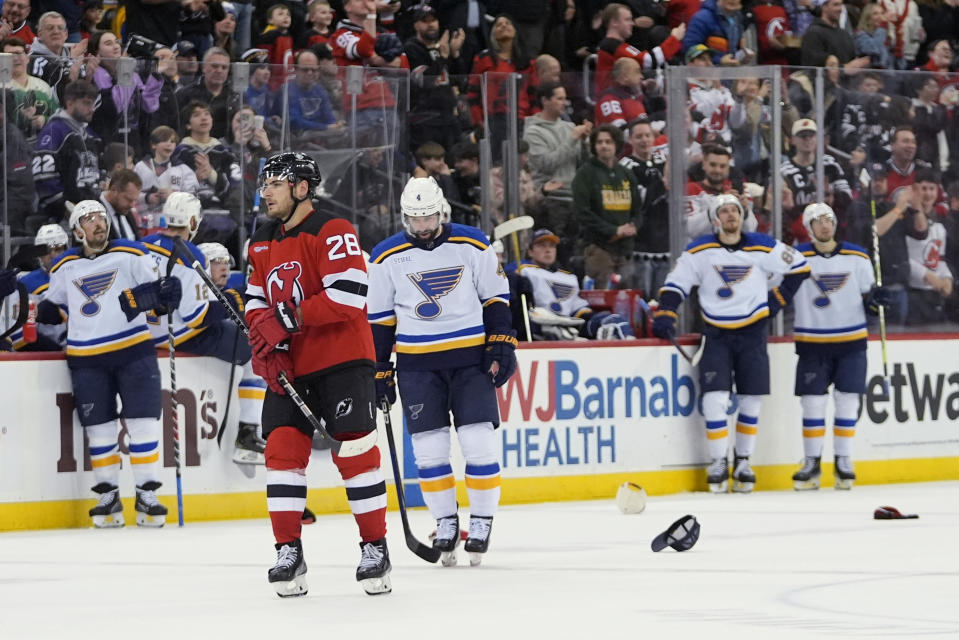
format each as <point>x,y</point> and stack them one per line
<point>270,366</point>
<point>270,329</point>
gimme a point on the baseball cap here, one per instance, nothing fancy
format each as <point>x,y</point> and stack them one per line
<point>878,170</point>
<point>681,535</point>
<point>697,50</point>
<point>804,124</point>
<point>229,7</point>
<point>255,56</point>
<point>184,48</point>
<point>422,12</point>
<point>541,235</point>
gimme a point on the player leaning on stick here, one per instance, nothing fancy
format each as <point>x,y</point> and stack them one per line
<point>306,308</point>
<point>438,292</point>
<point>830,333</point>
<point>104,287</point>
<point>731,269</point>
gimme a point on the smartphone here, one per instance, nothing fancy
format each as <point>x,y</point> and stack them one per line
<point>258,122</point>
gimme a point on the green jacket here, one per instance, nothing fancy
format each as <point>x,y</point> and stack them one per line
<point>603,199</point>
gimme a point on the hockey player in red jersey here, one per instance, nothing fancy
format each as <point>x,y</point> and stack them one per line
<point>306,307</point>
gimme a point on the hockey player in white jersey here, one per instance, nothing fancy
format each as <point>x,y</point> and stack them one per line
<point>201,326</point>
<point>104,287</point>
<point>50,337</point>
<point>731,269</point>
<point>438,292</point>
<point>830,333</point>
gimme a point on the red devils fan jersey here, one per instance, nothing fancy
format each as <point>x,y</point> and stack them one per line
<point>318,266</point>
<point>610,50</point>
<point>771,22</point>
<point>618,106</point>
<point>353,46</point>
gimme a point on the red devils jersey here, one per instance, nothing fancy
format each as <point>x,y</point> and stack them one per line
<point>771,22</point>
<point>318,266</point>
<point>353,46</point>
<point>610,50</point>
<point>618,106</point>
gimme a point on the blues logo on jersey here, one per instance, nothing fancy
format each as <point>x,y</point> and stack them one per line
<point>828,283</point>
<point>92,287</point>
<point>731,274</point>
<point>435,284</point>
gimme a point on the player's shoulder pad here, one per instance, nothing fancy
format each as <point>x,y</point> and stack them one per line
<point>128,246</point>
<point>236,280</point>
<point>68,255</point>
<point>36,281</point>
<point>806,249</point>
<point>396,243</point>
<point>526,264</point>
<point>265,232</point>
<point>850,249</point>
<point>465,234</point>
<point>708,241</point>
<point>758,242</point>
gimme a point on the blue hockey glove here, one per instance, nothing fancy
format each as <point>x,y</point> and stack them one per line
<point>170,294</point>
<point>385,383</point>
<point>8,282</point>
<point>501,349</point>
<point>609,326</point>
<point>664,324</point>
<point>388,46</point>
<point>158,295</point>
<point>775,301</point>
<point>879,297</point>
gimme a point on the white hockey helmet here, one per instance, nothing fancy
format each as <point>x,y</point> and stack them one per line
<point>216,252</point>
<point>721,201</point>
<point>421,198</point>
<point>52,235</point>
<point>183,210</point>
<point>85,208</point>
<point>815,211</point>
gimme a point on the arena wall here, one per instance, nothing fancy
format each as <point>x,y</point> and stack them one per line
<point>577,421</point>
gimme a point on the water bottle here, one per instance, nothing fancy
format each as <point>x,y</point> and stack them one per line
<point>621,305</point>
<point>588,283</point>
<point>637,319</point>
<point>30,324</point>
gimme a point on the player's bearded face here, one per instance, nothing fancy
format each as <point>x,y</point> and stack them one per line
<point>730,219</point>
<point>424,227</point>
<point>94,228</point>
<point>823,228</point>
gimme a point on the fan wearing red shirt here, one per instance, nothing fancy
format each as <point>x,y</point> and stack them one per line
<point>618,20</point>
<point>623,101</point>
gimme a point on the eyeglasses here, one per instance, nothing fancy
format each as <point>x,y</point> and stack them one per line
<point>54,27</point>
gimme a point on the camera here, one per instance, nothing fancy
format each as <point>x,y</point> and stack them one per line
<point>142,48</point>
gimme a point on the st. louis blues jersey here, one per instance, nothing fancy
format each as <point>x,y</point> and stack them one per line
<point>37,283</point>
<point>190,318</point>
<point>556,290</point>
<point>88,290</point>
<point>439,301</point>
<point>732,281</point>
<point>829,307</point>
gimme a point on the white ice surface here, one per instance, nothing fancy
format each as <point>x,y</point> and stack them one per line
<point>767,565</point>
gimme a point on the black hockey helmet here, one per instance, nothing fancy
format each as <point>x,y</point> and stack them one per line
<point>293,166</point>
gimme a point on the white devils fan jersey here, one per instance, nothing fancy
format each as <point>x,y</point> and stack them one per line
<point>828,304</point>
<point>556,290</point>
<point>733,289</point>
<point>319,267</point>
<point>435,299</point>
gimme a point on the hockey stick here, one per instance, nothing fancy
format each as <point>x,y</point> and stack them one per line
<point>345,448</point>
<point>427,553</point>
<point>866,182</point>
<point>511,226</point>
<point>174,406</point>
<point>694,359</point>
<point>22,311</point>
<point>229,392</point>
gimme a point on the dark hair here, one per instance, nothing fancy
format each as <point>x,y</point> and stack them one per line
<point>898,130</point>
<point>275,7</point>
<point>190,109</point>
<point>13,41</point>
<point>519,57</point>
<point>121,178</point>
<point>296,58</point>
<point>322,51</point>
<point>926,174</point>
<point>79,90</point>
<point>643,119</point>
<point>465,151</point>
<point>93,46</point>
<point>612,130</point>
<point>430,150</point>
<point>545,90</point>
<point>716,150</point>
<point>953,190</point>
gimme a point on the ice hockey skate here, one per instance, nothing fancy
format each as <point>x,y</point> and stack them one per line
<point>743,477</point>
<point>809,476</point>
<point>447,539</point>
<point>717,475</point>
<point>249,447</point>
<point>150,513</point>
<point>478,541</point>
<point>843,473</point>
<point>373,574</point>
<point>108,514</point>
<point>288,575</point>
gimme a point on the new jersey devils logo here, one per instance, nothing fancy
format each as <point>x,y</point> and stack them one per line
<point>283,283</point>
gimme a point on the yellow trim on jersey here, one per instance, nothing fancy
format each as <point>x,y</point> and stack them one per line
<point>386,254</point>
<point>147,459</point>
<point>815,432</point>
<point>251,394</point>
<point>482,483</point>
<point>105,462</point>
<point>43,287</point>
<point>63,261</point>
<point>492,300</point>
<point>107,348</point>
<point>808,254</point>
<point>389,321</point>
<point>441,346</point>
<point>716,434</point>
<point>804,269</point>
<point>193,324</point>
<point>708,245</point>
<point>747,429</point>
<point>468,240</point>
<point>178,340</point>
<point>779,296</point>
<point>850,252</point>
<point>122,249</point>
<point>440,484</point>
<point>845,337</point>
<point>844,432</point>
<point>758,247</point>
<point>759,315</point>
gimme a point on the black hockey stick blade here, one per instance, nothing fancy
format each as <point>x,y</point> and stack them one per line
<point>681,351</point>
<point>427,553</point>
<point>696,357</point>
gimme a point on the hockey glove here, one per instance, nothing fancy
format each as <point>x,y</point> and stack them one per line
<point>609,326</point>
<point>385,383</point>
<point>151,296</point>
<point>775,301</point>
<point>269,367</point>
<point>388,46</point>
<point>270,329</point>
<point>8,282</point>
<point>664,324</point>
<point>500,349</point>
<point>879,297</point>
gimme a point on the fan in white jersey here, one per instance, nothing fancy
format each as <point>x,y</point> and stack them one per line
<point>556,298</point>
<point>830,333</point>
<point>104,287</point>
<point>731,269</point>
<point>438,292</point>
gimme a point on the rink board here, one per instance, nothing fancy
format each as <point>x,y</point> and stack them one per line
<point>577,421</point>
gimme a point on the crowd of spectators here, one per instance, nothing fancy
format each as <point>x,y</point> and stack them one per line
<point>130,104</point>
